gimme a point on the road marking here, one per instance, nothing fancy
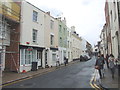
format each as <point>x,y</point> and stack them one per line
<point>93,80</point>
<point>15,82</point>
<point>35,75</point>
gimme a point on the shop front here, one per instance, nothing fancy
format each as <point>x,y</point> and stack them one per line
<point>29,55</point>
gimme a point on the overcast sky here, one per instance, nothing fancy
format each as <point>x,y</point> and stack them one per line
<point>86,15</point>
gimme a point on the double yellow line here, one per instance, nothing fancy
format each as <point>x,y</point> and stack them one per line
<point>93,80</point>
<point>13,82</point>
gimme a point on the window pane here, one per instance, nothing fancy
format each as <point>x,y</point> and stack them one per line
<point>22,56</point>
<point>51,24</point>
<point>34,55</point>
<point>52,38</point>
<point>35,15</point>
<point>34,35</point>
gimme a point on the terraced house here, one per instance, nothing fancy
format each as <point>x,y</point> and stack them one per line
<point>32,47</point>
<point>51,39</point>
<point>69,44</point>
<point>31,39</point>
<point>76,44</point>
<point>62,39</point>
<point>110,32</point>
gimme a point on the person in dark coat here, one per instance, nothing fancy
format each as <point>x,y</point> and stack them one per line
<point>107,56</point>
<point>103,60</point>
<point>99,63</point>
<point>65,61</point>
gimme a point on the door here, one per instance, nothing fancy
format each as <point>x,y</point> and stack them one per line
<point>53,59</point>
<point>39,58</point>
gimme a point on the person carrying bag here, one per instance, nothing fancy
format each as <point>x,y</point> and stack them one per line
<point>111,61</point>
<point>99,65</point>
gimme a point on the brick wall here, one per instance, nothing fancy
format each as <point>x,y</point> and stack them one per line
<point>12,59</point>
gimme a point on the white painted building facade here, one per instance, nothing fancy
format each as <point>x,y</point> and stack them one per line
<point>51,39</point>
<point>114,26</point>
<point>32,48</point>
<point>69,45</point>
<point>76,44</point>
<point>62,40</point>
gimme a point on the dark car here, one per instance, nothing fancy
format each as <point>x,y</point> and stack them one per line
<point>85,58</point>
<point>81,58</point>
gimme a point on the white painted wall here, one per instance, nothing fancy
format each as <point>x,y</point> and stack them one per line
<point>47,33</point>
<point>76,46</point>
<point>61,54</point>
<point>83,46</point>
<point>27,25</point>
<point>114,26</point>
<point>26,29</point>
<point>69,48</point>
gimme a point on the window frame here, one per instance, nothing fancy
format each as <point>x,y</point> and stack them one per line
<point>34,36</point>
<point>51,24</point>
<point>35,16</point>
<point>51,40</point>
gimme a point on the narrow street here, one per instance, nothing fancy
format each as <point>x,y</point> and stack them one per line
<point>77,75</point>
<point>38,38</point>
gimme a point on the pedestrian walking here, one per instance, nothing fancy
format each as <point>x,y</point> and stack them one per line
<point>111,61</point>
<point>57,61</point>
<point>65,60</point>
<point>106,59</point>
<point>118,64</point>
<point>103,69</point>
<point>99,65</point>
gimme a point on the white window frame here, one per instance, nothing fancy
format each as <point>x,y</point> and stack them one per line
<point>34,36</point>
<point>35,16</point>
<point>51,24</point>
<point>23,59</point>
<point>3,29</point>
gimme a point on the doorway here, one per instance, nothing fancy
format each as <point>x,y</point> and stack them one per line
<point>39,58</point>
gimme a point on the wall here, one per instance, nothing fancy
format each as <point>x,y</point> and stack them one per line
<point>27,25</point>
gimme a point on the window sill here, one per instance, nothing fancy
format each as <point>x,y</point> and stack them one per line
<point>35,22</point>
<point>35,43</point>
<point>26,65</point>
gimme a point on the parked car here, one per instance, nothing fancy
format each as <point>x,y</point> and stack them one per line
<point>81,58</point>
<point>88,57</point>
<point>84,57</point>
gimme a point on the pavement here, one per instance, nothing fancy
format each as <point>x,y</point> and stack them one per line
<point>107,83</point>
<point>9,77</point>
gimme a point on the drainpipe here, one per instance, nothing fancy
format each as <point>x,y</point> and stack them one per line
<point>118,30</point>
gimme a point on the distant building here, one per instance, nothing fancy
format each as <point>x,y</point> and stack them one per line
<point>69,45</point>
<point>76,44</point>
